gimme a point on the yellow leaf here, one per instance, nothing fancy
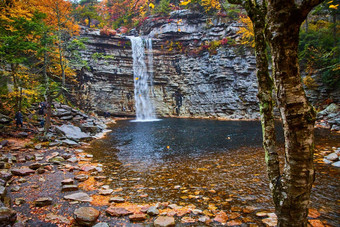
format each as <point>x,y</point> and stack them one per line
<point>334,6</point>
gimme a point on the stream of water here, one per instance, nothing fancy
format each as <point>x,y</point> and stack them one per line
<point>204,162</point>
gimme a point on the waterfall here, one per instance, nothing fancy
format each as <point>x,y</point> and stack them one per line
<point>143,103</point>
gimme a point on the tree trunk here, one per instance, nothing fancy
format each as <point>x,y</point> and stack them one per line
<point>48,113</point>
<point>14,68</point>
<point>297,115</point>
<point>265,95</point>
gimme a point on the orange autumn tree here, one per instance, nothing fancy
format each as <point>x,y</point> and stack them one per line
<point>19,29</point>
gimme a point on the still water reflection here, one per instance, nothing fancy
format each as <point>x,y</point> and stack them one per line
<point>202,162</point>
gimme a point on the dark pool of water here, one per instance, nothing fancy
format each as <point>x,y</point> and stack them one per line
<point>203,162</point>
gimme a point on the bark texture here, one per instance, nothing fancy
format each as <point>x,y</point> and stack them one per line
<point>284,20</point>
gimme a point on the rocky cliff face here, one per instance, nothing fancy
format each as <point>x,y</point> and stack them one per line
<point>218,83</point>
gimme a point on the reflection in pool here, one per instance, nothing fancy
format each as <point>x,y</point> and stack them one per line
<point>202,162</point>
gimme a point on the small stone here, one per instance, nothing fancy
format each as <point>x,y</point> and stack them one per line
<point>38,146</point>
<point>2,182</point>
<point>3,192</point>
<point>81,177</point>
<point>316,223</point>
<point>221,217</point>
<point>7,216</point>
<point>153,211</point>
<point>101,224</point>
<point>15,188</point>
<point>73,159</point>
<point>332,157</point>
<point>164,221</point>
<point>69,188</point>
<point>99,169</point>
<point>67,181</point>
<point>117,211</point>
<point>137,217</point>
<point>117,200</point>
<point>80,196</point>
<point>88,168</point>
<point>43,201</point>
<point>327,161</point>
<point>56,160</point>
<point>41,170</point>
<point>100,178</point>
<point>35,166</point>
<point>19,201</point>
<point>38,157</point>
<point>186,220</point>
<point>197,211</point>
<point>86,216</point>
<point>105,192</point>
<point>336,164</point>
<point>262,214</point>
<point>204,219</point>
<point>89,156</point>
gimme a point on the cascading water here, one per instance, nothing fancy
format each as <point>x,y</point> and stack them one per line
<point>143,103</point>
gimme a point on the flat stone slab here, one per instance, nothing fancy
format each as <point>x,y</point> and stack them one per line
<point>81,177</point>
<point>117,200</point>
<point>164,221</point>
<point>67,181</point>
<point>80,196</point>
<point>22,172</point>
<point>69,188</point>
<point>137,217</point>
<point>118,211</point>
<point>105,192</point>
<point>43,201</point>
<point>86,216</point>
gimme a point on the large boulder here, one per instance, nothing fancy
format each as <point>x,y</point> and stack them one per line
<point>73,132</point>
<point>61,112</point>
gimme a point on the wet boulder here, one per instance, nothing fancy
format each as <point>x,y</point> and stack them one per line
<point>73,132</point>
<point>86,216</point>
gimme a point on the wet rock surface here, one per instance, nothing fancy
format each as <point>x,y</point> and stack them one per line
<point>86,216</point>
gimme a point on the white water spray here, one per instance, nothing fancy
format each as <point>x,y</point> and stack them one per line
<point>143,103</point>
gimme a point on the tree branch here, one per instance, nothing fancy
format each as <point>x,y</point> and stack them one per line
<point>307,5</point>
